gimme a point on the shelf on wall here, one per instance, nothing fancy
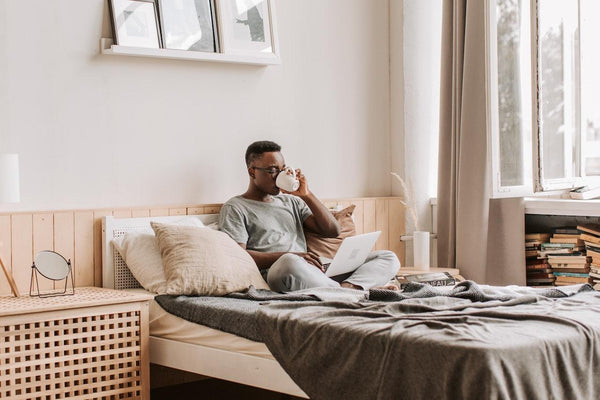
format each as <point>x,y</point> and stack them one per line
<point>107,47</point>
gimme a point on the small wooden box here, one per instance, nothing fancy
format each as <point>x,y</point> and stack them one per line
<point>91,345</point>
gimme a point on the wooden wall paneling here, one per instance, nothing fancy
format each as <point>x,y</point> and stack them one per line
<point>369,216</point>
<point>64,238</point>
<point>77,235</point>
<point>212,209</point>
<point>43,239</point>
<point>98,214</point>
<point>22,250</point>
<point>195,211</point>
<point>140,212</point>
<point>396,229</point>
<point>159,212</point>
<point>84,248</point>
<point>381,224</point>
<point>122,213</point>
<point>177,211</point>
<point>5,251</point>
<point>330,204</point>
<point>343,204</point>
<point>359,216</point>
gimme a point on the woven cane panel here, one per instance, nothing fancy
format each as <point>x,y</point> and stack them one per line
<point>124,279</point>
<point>90,357</point>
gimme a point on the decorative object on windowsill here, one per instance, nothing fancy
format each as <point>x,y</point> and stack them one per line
<point>54,267</point>
<point>9,193</point>
<point>585,193</point>
<point>421,246</point>
<point>421,239</point>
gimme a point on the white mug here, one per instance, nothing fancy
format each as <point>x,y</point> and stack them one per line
<point>287,181</point>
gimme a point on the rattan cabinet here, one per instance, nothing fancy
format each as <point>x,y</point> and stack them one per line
<point>90,345</point>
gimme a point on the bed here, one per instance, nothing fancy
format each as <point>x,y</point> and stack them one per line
<point>469,341</point>
<point>210,353</point>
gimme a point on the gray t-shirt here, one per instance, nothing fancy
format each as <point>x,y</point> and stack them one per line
<point>266,227</point>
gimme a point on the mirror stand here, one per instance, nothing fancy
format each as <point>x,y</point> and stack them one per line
<point>36,291</point>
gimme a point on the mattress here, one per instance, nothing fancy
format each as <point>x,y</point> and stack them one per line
<point>169,326</point>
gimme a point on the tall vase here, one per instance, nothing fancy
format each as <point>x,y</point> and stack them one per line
<point>421,246</point>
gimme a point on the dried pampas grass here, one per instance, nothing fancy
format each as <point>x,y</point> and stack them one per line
<point>409,199</point>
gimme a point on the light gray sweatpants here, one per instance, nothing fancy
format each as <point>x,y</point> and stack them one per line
<point>291,272</point>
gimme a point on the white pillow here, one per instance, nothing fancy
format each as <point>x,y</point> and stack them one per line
<point>140,252</point>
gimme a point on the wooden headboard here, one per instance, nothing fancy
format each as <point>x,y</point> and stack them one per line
<point>77,234</point>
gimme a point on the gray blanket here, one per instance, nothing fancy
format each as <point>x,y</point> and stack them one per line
<point>466,342</point>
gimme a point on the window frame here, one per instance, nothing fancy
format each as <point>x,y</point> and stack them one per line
<point>533,167</point>
<point>497,190</point>
<point>541,184</point>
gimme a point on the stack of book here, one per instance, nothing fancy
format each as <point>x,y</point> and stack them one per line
<point>590,234</point>
<point>549,248</point>
<point>570,268</point>
<point>533,242</point>
<point>568,236</point>
<point>537,268</point>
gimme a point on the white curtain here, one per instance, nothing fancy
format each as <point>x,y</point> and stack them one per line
<point>483,237</point>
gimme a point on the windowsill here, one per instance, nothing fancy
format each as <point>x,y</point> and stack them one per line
<point>546,204</point>
<point>261,59</point>
<point>561,206</point>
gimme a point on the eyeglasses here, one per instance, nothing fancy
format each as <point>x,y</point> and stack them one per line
<point>271,170</point>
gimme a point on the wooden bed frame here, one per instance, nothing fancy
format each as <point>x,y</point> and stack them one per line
<point>228,365</point>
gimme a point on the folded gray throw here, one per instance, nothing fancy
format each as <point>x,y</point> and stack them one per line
<point>472,291</point>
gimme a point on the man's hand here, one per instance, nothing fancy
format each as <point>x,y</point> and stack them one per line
<point>303,188</point>
<point>311,258</point>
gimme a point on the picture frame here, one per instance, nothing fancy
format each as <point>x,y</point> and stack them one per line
<point>189,25</point>
<point>247,27</point>
<point>135,23</point>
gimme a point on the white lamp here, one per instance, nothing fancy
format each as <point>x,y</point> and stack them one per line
<point>9,193</point>
<point>9,178</point>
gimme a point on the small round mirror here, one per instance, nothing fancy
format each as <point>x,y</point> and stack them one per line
<point>52,265</point>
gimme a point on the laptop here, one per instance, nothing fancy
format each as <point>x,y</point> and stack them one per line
<point>352,254</point>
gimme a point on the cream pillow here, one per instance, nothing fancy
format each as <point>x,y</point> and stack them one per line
<point>140,252</point>
<point>200,261</point>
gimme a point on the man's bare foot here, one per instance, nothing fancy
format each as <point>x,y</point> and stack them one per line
<point>350,286</point>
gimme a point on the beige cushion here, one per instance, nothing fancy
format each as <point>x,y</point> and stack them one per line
<point>327,247</point>
<point>202,261</point>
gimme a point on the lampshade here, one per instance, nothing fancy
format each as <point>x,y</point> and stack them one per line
<point>9,178</point>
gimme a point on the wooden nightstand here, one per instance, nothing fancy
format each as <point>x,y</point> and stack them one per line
<point>91,345</point>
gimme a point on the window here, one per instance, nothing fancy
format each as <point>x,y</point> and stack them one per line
<point>509,91</point>
<point>550,59</point>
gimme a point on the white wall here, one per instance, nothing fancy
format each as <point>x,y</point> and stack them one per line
<point>415,50</point>
<point>106,131</point>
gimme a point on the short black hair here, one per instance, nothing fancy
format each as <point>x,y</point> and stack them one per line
<point>256,150</point>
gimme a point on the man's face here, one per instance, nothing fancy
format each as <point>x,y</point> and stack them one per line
<point>264,170</point>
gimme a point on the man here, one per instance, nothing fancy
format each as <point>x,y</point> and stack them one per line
<point>270,226</point>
